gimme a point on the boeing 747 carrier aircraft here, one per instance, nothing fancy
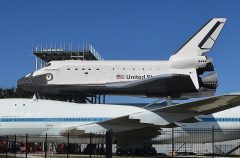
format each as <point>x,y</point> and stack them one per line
<point>188,73</point>
<point>26,116</point>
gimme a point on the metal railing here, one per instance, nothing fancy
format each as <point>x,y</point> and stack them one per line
<point>171,143</point>
<point>63,51</point>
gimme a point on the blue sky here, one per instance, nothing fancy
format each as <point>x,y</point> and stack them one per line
<point>118,29</point>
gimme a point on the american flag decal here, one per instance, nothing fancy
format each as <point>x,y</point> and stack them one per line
<point>120,76</point>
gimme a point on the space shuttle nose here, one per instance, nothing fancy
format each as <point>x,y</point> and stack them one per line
<point>24,82</point>
<point>32,83</point>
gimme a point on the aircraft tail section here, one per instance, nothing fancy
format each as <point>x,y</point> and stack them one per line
<point>192,55</point>
<point>202,41</point>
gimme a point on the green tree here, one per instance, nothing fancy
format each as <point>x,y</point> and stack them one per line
<point>1,93</point>
<point>14,93</point>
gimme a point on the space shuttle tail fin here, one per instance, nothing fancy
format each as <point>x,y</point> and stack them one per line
<point>202,41</point>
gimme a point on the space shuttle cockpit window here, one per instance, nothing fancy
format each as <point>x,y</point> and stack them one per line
<point>48,64</point>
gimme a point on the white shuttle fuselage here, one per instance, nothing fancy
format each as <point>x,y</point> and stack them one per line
<point>75,72</point>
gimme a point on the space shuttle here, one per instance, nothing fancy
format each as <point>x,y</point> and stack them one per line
<point>188,73</point>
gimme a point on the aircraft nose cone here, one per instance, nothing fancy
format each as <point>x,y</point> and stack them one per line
<point>24,83</point>
<point>33,83</point>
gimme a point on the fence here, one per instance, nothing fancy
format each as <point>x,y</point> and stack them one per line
<point>170,143</point>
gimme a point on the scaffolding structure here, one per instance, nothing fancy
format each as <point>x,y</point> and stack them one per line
<point>47,53</point>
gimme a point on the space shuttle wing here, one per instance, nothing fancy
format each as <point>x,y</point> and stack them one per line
<point>162,84</point>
